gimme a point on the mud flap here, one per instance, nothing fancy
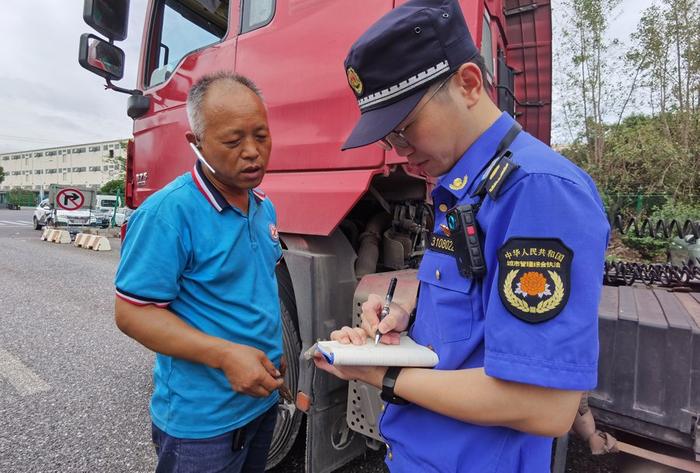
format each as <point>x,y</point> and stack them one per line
<point>329,441</point>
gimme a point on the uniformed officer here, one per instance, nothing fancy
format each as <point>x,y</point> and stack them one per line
<point>509,300</point>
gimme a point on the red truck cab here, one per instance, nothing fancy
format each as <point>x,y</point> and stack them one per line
<point>348,220</point>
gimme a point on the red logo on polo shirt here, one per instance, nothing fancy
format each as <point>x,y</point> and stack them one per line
<point>273,232</point>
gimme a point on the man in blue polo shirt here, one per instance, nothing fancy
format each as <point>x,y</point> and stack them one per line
<point>196,284</point>
<point>510,283</point>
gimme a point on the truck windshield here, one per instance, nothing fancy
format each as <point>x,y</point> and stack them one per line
<point>180,27</point>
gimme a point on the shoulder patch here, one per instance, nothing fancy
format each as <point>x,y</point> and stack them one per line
<point>498,175</point>
<point>534,277</point>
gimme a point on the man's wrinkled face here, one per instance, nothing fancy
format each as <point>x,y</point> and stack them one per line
<point>236,139</point>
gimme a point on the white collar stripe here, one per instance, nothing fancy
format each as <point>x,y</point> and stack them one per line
<point>206,191</point>
<point>405,86</point>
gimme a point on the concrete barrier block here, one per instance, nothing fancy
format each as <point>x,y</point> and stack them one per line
<point>81,239</point>
<point>45,234</point>
<point>102,244</point>
<point>60,236</point>
<point>90,242</point>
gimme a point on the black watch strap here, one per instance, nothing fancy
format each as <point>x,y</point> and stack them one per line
<point>411,318</point>
<point>388,384</point>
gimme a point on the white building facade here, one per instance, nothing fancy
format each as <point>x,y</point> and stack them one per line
<point>88,165</point>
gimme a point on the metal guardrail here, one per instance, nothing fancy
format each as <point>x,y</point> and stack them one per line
<point>620,272</point>
<point>663,229</point>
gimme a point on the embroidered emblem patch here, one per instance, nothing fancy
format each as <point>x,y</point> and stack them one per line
<point>273,232</point>
<point>355,82</point>
<point>534,277</point>
<point>459,183</point>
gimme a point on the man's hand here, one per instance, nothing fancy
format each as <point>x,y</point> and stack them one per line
<point>250,371</point>
<point>390,328</point>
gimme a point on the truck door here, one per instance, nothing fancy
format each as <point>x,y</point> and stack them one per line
<point>294,51</point>
<point>183,40</point>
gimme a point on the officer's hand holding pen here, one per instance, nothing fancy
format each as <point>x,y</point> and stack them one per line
<point>390,327</point>
<point>385,308</point>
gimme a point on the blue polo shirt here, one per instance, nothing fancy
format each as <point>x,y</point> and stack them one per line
<point>532,319</point>
<point>188,250</point>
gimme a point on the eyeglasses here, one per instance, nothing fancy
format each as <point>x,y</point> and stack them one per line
<point>396,138</point>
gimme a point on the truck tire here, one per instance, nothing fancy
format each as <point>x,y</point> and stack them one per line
<point>288,417</point>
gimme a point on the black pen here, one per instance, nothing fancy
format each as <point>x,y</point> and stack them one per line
<point>385,309</point>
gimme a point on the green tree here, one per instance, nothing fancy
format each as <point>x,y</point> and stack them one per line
<point>112,186</point>
<point>21,196</point>
<point>657,149</point>
<point>667,43</point>
<point>119,160</point>
<point>592,87</point>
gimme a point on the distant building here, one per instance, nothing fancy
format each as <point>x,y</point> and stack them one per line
<point>88,165</point>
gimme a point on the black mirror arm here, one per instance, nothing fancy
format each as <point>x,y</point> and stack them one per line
<point>116,88</point>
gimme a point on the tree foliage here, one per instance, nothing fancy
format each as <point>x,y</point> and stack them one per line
<point>111,187</point>
<point>654,149</point>
<point>20,196</point>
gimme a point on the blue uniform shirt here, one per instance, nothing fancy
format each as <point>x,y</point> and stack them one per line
<point>188,250</point>
<point>550,229</point>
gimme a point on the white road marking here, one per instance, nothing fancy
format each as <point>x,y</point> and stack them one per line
<point>20,223</point>
<point>24,380</point>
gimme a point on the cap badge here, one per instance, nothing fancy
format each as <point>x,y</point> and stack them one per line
<point>459,183</point>
<point>355,82</point>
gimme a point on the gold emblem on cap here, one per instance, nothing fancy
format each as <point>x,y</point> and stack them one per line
<point>443,208</point>
<point>459,183</point>
<point>355,82</point>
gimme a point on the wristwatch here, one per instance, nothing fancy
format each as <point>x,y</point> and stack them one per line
<point>388,384</point>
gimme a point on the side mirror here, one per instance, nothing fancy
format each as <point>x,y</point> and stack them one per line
<point>108,17</point>
<point>100,57</point>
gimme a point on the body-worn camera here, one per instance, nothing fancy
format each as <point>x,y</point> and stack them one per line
<point>461,221</point>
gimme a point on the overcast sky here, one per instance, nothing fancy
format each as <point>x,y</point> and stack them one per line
<point>49,100</point>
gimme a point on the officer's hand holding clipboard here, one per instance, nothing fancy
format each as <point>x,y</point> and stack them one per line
<point>390,326</point>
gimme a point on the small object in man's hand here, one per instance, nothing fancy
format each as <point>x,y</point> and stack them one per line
<point>286,393</point>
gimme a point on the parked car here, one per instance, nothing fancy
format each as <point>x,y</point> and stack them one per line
<point>122,216</point>
<point>45,215</point>
<point>684,251</point>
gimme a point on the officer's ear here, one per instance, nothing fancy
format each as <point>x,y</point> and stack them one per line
<point>470,83</point>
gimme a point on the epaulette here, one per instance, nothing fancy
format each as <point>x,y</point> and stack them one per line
<point>497,176</point>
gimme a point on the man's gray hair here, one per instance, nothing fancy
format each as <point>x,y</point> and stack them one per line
<point>200,89</point>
